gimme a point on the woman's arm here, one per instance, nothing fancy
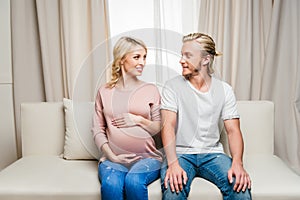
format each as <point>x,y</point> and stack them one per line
<point>99,123</point>
<point>153,127</point>
<point>129,120</point>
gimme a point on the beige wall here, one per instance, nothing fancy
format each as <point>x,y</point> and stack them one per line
<point>7,126</point>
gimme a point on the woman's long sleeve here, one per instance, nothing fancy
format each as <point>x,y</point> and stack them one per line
<point>99,123</point>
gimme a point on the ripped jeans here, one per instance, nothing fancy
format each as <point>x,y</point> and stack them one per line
<point>119,182</point>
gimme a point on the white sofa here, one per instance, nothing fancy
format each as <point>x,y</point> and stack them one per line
<point>43,173</point>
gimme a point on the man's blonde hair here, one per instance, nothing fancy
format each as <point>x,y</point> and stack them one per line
<point>207,45</point>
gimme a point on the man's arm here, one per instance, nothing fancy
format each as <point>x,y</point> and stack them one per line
<point>175,175</point>
<point>236,146</point>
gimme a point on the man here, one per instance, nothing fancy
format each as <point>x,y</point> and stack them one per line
<point>192,105</point>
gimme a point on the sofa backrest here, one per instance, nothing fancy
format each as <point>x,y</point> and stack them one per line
<point>257,126</point>
<point>42,128</point>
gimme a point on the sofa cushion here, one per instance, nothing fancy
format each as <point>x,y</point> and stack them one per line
<point>79,143</point>
<point>44,177</point>
<point>42,128</point>
<point>272,179</point>
<point>50,177</point>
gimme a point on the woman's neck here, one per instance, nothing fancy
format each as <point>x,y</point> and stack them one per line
<point>128,83</point>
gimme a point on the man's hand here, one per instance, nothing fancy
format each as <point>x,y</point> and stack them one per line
<point>176,177</point>
<point>242,178</point>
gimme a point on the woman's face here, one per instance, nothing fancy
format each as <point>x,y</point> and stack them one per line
<point>134,62</point>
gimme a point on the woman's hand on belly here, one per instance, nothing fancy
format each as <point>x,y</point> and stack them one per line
<point>126,120</point>
<point>125,158</point>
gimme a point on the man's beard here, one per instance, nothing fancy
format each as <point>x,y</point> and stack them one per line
<point>195,72</point>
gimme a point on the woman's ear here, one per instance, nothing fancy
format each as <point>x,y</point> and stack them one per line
<point>122,61</point>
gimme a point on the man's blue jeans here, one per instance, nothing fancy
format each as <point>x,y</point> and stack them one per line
<point>119,182</point>
<point>212,167</point>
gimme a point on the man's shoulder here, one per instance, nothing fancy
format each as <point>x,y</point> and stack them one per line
<point>174,84</point>
<point>176,80</point>
<point>222,83</point>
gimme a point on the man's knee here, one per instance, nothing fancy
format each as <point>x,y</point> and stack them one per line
<point>229,193</point>
<point>242,195</point>
<point>169,195</point>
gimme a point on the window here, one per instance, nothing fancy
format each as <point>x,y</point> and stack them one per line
<point>144,19</point>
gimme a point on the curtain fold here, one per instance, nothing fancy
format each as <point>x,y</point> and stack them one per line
<point>28,83</point>
<point>240,29</point>
<point>48,18</point>
<point>280,81</point>
<point>54,50</point>
<point>259,41</point>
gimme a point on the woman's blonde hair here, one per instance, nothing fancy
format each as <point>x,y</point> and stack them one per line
<point>207,47</point>
<point>123,46</point>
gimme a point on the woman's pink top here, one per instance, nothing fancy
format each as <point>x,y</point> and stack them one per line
<point>112,102</point>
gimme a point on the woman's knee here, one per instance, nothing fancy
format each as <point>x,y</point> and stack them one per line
<point>112,183</point>
<point>135,180</point>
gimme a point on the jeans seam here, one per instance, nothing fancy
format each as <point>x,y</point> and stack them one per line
<point>208,170</point>
<point>188,187</point>
<point>191,167</point>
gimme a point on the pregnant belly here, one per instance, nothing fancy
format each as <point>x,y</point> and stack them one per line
<point>131,140</point>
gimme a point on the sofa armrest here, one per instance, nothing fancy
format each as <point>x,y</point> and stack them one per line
<point>257,126</point>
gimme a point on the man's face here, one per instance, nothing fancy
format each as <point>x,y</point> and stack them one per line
<point>191,58</point>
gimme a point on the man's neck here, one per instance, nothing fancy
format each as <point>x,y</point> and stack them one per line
<point>201,82</point>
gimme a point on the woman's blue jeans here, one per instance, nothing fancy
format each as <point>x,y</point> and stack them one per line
<point>212,167</point>
<point>119,182</point>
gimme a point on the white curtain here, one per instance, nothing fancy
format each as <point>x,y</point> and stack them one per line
<point>240,30</point>
<point>172,19</point>
<point>259,41</point>
<point>281,79</point>
<point>58,50</point>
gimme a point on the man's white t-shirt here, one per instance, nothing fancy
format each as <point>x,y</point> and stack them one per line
<point>198,113</point>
